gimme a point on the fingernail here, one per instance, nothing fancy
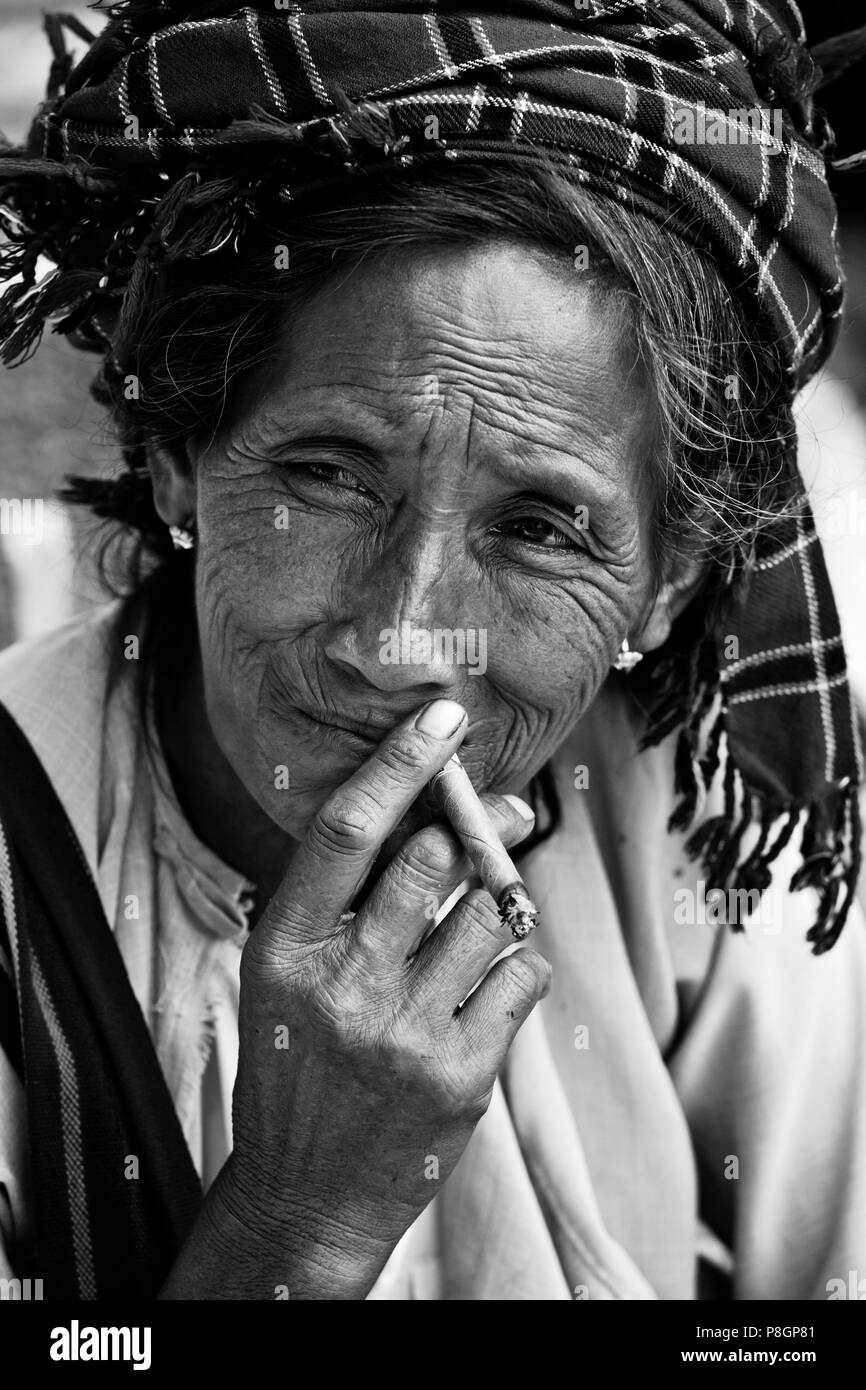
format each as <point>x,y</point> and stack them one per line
<point>441,718</point>
<point>520,806</point>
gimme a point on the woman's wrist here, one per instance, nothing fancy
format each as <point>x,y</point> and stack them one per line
<point>237,1253</point>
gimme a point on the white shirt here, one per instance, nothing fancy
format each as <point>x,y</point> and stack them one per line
<point>663,1052</point>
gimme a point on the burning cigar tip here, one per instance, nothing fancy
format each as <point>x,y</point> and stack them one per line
<point>517,911</point>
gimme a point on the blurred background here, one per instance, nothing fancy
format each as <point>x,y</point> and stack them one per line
<point>49,426</point>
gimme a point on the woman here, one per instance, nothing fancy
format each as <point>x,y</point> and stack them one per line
<point>419,323</point>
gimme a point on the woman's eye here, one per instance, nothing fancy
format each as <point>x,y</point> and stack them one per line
<point>332,476</point>
<point>536,531</point>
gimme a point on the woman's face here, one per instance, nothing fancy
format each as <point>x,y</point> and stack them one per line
<point>439,487</point>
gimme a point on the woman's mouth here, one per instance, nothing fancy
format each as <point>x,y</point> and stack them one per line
<point>345,733</point>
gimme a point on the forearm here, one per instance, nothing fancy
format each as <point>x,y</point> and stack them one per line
<point>230,1255</point>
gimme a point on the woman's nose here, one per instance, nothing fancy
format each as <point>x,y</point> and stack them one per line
<point>408,630</point>
<point>405,657</point>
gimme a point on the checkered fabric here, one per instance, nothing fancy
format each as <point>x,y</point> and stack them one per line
<point>653,102</point>
<point>602,86</point>
<point>789,725</point>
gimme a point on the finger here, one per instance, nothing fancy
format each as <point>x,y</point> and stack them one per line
<point>492,1015</point>
<point>343,841</point>
<point>460,951</point>
<point>404,903</point>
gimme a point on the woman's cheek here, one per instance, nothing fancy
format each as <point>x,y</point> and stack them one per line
<point>273,565</point>
<point>266,573</point>
<point>554,641</point>
<point>249,596</point>
<point>548,658</point>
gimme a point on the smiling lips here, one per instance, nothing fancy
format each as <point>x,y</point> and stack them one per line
<point>371,734</point>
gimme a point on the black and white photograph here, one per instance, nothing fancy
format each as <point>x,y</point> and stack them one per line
<point>433,667</point>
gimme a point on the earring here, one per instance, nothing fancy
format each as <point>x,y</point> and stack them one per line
<point>182,537</point>
<point>627,659</point>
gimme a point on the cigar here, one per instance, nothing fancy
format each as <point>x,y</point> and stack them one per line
<point>472,826</point>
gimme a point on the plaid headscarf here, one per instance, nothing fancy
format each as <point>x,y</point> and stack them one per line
<point>139,138</point>
<point>598,85</point>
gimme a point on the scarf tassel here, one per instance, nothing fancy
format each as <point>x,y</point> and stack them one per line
<point>685,780</point>
<point>194,218</point>
<point>214,211</point>
<point>832,852</point>
<point>355,133</point>
<point>21,327</point>
<point>831,844</point>
<point>701,690</point>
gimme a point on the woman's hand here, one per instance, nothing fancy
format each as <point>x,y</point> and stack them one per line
<point>360,1077</point>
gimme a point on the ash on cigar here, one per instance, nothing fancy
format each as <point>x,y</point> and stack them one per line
<point>518,912</point>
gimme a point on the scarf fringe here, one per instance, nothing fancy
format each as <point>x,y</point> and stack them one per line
<point>73,294</point>
<point>195,217</point>
<point>831,844</point>
<point>686,686</point>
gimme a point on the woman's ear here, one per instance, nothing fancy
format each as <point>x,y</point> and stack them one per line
<point>173,479</point>
<point>684,576</point>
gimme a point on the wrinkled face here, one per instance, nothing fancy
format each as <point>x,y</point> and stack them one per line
<point>440,488</point>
